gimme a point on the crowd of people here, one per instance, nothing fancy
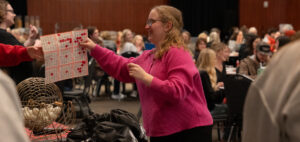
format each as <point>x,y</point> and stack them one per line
<point>180,82</point>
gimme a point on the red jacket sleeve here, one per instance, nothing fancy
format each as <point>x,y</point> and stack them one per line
<point>12,55</point>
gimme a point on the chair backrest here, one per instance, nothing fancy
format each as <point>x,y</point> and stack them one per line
<point>236,88</point>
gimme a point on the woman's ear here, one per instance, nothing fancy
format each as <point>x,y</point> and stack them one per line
<point>168,26</point>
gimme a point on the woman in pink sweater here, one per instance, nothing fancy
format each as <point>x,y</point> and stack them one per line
<point>169,84</point>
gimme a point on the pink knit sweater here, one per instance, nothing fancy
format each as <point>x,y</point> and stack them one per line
<point>175,99</point>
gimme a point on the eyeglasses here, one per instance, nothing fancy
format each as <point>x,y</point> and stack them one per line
<point>11,11</point>
<point>151,21</point>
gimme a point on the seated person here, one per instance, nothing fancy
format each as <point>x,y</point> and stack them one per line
<point>206,65</point>
<point>221,57</point>
<point>236,41</point>
<point>200,45</point>
<point>250,65</point>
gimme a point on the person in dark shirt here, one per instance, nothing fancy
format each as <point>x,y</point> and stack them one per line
<point>206,66</point>
<point>25,69</point>
<point>248,48</point>
<point>219,48</point>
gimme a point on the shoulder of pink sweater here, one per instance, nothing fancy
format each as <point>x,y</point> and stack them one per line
<point>178,52</point>
<point>178,49</point>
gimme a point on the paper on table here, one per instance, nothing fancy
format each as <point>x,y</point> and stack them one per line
<point>64,58</point>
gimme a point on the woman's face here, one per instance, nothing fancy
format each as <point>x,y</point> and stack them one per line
<point>95,35</point>
<point>239,36</point>
<point>128,36</point>
<point>9,16</point>
<point>186,38</point>
<point>226,53</point>
<point>201,45</point>
<point>221,55</point>
<point>155,27</point>
<point>138,41</point>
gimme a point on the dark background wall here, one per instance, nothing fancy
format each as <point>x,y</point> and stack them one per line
<point>199,15</point>
<point>202,15</point>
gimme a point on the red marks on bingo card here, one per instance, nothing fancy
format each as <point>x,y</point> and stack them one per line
<point>82,63</point>
<point>79,70</point>
<point>63,56</point>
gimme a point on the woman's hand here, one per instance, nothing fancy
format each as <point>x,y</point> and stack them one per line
<point>139,73</point>
<point>220,84</point>
<point>88,43</point>
<point>33,33</point>
<point>35,52</point>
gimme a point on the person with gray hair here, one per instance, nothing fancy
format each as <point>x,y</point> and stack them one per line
<point>285,27</point>
<point>252,30</point>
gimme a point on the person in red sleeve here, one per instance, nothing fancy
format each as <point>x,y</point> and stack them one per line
<point>12,55</point>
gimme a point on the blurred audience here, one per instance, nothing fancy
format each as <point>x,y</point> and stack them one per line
<point>214,37</point>
<point>187,40</point>
<point>252,30</point>
<point>281,41</point>
<point>251,65</point>
<point>236,41</point>
<point>139,43</point>
<point>200,45</point>
<point>248,48</point>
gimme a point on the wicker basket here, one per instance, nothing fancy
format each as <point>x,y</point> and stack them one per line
<point>42,103</point>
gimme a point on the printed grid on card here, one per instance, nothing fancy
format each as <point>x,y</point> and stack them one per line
<point>64,58</point>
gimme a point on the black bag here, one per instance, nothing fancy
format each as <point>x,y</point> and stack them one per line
<point>80,104</point>
<point>116,126</point>
<point>79,134</point>
<point>112,132</point>
<point>126,118</point>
